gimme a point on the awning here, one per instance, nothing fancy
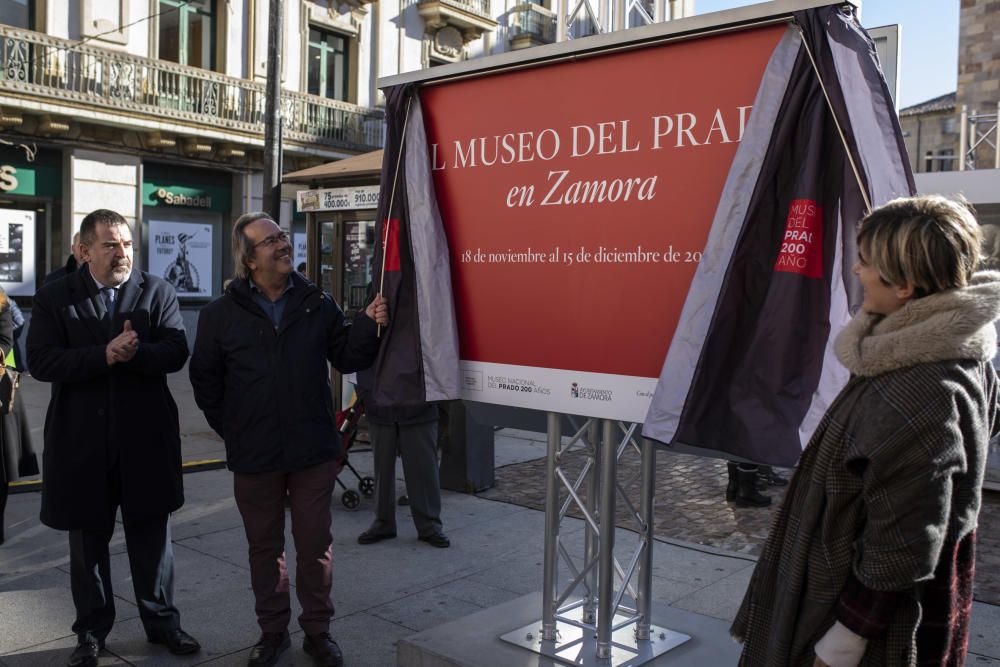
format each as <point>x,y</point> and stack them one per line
<point>366,164</point>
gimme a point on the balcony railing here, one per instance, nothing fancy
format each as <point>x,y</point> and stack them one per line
<point>85,75</point>
<point>481,7</point>
<point>530,20</point>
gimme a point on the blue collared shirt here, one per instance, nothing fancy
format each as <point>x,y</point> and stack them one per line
<point>274,309</point>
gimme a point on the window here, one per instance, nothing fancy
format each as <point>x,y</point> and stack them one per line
<point>187,32</point>
<point>18,13</point>
<point>639,13</point>
<point>328,64</point>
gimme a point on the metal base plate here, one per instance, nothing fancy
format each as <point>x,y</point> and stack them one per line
<point>576,646</point>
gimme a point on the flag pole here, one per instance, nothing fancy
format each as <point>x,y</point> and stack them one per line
<point>843,139</point>
<point>392,197</point>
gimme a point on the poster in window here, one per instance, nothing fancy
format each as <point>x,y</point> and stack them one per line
<point>299,239</point>
<point>181,254</point>
<point>17,252</point>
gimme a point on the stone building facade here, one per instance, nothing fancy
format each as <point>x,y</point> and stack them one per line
<point>932,128</point>
<point>156,107</point>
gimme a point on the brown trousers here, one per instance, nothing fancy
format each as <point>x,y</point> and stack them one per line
<point>261,501</point>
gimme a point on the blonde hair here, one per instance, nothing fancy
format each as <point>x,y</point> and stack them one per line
<point>931,242</point>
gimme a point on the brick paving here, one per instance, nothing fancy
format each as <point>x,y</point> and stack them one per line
<point>689,505</point>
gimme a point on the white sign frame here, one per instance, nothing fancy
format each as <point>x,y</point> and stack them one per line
<point>28,220</point>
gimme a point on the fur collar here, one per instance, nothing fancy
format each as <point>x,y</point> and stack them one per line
<point>956,324</point>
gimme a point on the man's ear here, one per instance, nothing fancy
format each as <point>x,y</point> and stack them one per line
<point>85,252</point>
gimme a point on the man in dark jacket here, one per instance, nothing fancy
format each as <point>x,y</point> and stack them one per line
<point>73,262</point>
<point>259,372</point>
<point>105,337</point>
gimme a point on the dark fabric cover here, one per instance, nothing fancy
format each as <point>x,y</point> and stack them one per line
<point>398,376</point>
<point>392,414</point>
<point>101,414</point>
<point>266,391</point>
<point>764,353</point>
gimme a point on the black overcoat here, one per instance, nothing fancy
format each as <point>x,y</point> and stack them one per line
<point>101,414</point>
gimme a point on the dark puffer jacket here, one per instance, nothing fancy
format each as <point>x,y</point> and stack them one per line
<point>266,391</point>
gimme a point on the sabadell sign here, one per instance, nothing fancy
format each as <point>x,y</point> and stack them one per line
<point>180,199</point>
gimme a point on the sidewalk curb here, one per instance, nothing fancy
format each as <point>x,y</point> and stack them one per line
<point>35,485</point>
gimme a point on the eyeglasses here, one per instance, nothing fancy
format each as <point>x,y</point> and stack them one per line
<point>271,240</point>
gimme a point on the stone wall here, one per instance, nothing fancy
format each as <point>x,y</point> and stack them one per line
<point>979,62</point>
<point>934,132</point>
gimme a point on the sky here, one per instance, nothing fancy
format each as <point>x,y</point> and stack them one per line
<point>928,61</point>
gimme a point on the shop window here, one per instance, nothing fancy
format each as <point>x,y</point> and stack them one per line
<point>18,13</point>
<point>329,64</point>
<point>187,32</point>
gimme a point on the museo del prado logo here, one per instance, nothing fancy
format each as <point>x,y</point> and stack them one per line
<point>590,393</point>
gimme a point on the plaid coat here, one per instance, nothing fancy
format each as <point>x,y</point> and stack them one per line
<point>891,476</point>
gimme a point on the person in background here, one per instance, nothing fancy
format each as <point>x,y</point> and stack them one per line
<point>412,432</point>
<point>106,336</point>
<point>872,553</point>
<point>260,373</point>
<point>17,455</point>
<point>73,262</point>
<point>18,356</point>
<point>742,487</point>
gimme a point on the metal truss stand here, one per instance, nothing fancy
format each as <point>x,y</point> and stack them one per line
<point>588,622</point>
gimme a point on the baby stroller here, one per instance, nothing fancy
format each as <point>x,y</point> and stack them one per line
<point>347,427</point>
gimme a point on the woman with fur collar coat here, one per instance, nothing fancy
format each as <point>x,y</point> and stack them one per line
<point>871,557</point>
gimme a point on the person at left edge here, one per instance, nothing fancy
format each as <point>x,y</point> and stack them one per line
<point>260,373</point>
<point>106,336</point>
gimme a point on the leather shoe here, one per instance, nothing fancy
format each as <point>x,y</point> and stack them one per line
<point>439,540</point>
<point>268,649</point>
<point>84,655</point>
<point>375,534</point>
<point>323,650</point>
<point>176,640</point>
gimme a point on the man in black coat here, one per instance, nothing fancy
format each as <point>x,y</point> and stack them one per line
<point>106,336</point>
<point>73,262</point>
<point>259,372</point>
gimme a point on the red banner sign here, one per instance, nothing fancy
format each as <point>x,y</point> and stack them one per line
<point>577,198</point>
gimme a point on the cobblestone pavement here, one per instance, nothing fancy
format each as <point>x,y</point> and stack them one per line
<point>690,505</point>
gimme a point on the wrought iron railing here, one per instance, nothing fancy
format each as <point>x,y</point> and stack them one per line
<point>530,19</point>
<point>90,76</point>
